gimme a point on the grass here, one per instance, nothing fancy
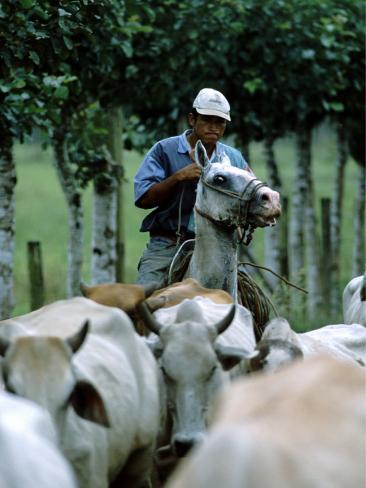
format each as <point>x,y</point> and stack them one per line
<point>41,212</point>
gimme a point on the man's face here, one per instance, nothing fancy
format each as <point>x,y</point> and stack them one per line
<point>208,128</point>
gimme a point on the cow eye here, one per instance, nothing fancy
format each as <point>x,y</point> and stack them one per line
<point>212,371</point>
<point>219,179</point>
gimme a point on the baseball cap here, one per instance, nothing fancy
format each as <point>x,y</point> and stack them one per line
<point>212,102</point>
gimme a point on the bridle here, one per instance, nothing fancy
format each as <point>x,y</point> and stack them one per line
<point>244,198</point>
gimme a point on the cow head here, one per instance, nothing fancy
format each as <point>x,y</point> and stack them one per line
<point>274,354</point>
<point>40,368</point>
<point>278,346</point>
<point>193,366</point>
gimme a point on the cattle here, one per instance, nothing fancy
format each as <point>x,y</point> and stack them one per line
<point>303,427</point>
<point>98,381</point>
<point>197,344</point>
<point>29,454</point>
<point>354,301</point>
<point>126,296</point>
<point>188,288</point>
<point>280,344</point>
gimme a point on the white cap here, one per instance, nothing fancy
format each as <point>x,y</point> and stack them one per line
<point>212,102</point>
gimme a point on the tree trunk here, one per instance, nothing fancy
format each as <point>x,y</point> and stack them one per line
<point>73,197</point>
<point>284,261</point>
<point>296,238</point>
<point>315,296</point>
<point>325,266</point>
<point>36,281</point>
<point>358,261</point>
<point>272,241</point>
<point>104,225</point>
<point>7,226</point>
<point>246,152</point>
<point>115,129</point>
<point>336,219</point>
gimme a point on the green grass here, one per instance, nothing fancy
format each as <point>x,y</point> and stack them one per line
<point>41,212</point>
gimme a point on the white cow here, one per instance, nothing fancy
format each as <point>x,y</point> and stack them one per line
<point>198,343</point>
<point>280,344</point>
<point>301,427</point>
<point>29,456</point>
<point>90,378</point>
<point>354,301</point>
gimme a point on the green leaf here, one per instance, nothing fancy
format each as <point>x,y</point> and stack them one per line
<point>308,54</point>
<point>63,13</point>
<point>253,85</point>
<point>19,84</point>
<point>337,106</point>
<point>127,49</point>
<point>5,88</point>
<point>62,92</point>
<point>34,57</point>
<point>27,3</point>
<point>68,43</point>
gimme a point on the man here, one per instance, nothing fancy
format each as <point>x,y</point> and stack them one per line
<point>167,181</point>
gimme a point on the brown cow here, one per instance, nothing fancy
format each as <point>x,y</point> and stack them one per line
<point>126,296</point>
<point>189,288</point>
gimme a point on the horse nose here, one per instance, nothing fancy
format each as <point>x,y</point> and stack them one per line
<point>271,198</point>
<point>182,443</point>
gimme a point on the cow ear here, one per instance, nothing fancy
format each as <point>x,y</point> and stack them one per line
<point>88,403</point>
<point>231,356</point>
<point>200,155</point>
<point>4,345</point>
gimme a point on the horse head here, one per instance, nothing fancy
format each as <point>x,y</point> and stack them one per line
<point>232,197</point>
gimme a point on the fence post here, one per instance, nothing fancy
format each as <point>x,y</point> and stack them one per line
<point>326,261</point>
<point>283,223</point>
<point>35,275</point>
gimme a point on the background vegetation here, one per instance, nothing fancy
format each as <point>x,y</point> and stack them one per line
<point>41,214</point>
<point>97,76</point>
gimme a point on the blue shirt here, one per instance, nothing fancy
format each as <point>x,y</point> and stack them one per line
<point>165,158</point>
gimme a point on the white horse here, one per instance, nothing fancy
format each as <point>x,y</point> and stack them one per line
<point>228,198</point>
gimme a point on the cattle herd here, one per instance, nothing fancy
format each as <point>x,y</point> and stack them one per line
<point>134,387</point>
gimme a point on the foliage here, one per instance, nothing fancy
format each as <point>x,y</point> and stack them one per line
<point>59,57</point>
<point>280,62</point>
<point>186,49</point>
<point>290,63</point>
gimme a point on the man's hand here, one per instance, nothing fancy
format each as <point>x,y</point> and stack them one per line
<point>162,192</point>
<point>188,173</point>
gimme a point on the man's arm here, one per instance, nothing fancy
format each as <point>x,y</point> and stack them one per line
<point>161,192</point>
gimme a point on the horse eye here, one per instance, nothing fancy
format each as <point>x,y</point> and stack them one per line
<point>219,179</point>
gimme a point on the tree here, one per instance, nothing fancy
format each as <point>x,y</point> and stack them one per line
<point>60,57</point>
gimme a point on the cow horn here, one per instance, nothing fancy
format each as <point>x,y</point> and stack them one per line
<point>363,289</point>
<point>4,344</point>
<point>84,289</point>
<point>224,323</point>
<point>76,340</point>
<point>148,318</point>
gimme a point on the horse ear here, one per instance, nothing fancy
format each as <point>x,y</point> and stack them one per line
<point>200,155</point>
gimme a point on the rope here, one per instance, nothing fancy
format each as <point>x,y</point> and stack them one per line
<point>179,235</point>
<point>244,263</point>
<point>253,298</point>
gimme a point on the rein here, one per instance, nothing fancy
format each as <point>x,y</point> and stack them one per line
<point>245,198</point>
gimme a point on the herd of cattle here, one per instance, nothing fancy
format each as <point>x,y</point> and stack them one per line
<point>114,388</point>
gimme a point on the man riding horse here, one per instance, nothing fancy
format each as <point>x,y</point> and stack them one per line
<point>167,181</point>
